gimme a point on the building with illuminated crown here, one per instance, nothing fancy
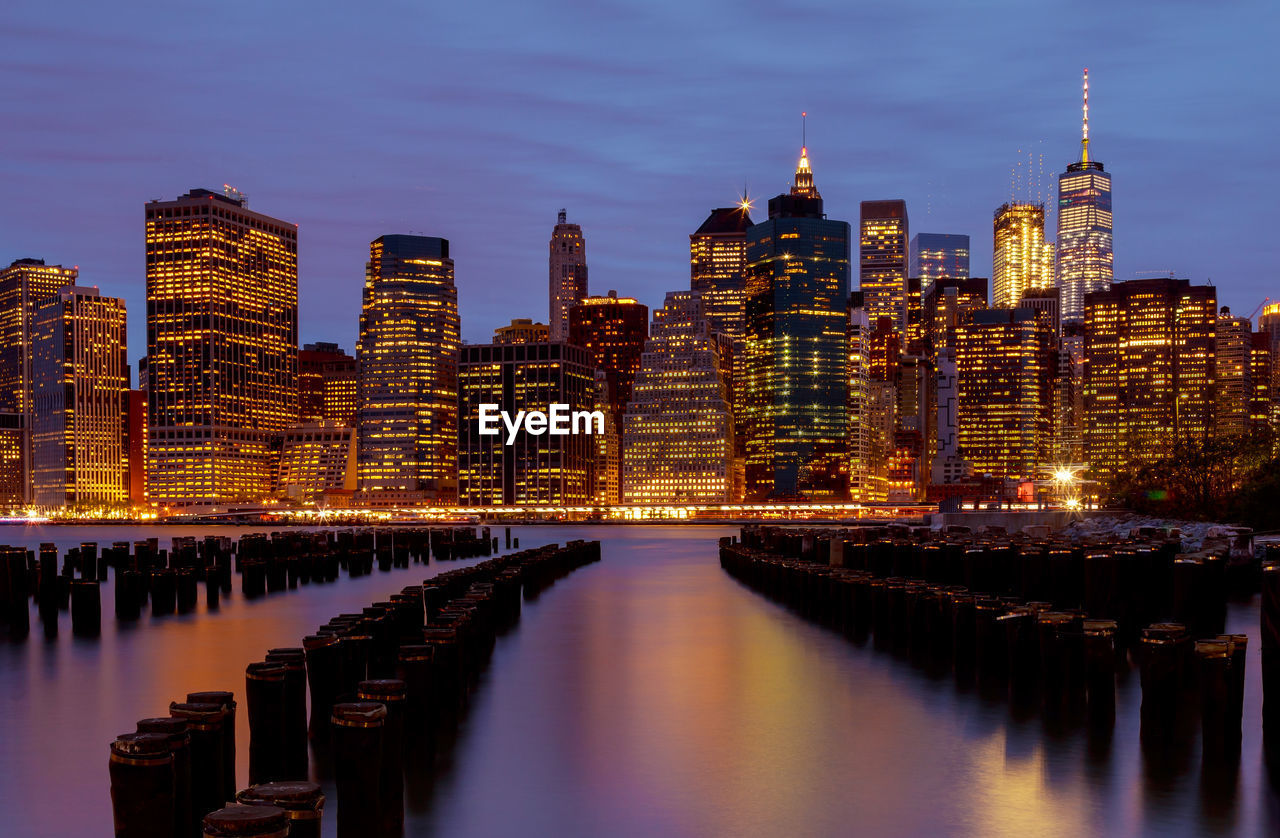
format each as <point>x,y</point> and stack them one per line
<point>222,347</point>
<point>1084,257</point>
<point>882,260</point>
<point>1022,259</point>
<point>677,436</point>
<point>522,330</point>
<point>568,274</point>
<point>407,362</point>
<point>795,396</point>
<point>717,268</point>
<point>1004,377</point>
<point>25,285</point>
<point>1150,370</point>
<point>80,375</point>
<point>613,330</point>
<point>935,255</point>
<point>535,469</point>
<point>327,385</point>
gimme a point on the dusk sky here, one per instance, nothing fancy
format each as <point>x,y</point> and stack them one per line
<point>477,122</point>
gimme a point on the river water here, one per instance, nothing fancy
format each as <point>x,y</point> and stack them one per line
<point>649,694</point>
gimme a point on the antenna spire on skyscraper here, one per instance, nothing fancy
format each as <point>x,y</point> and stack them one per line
<point>803,184</point>
<point>1084,137</point>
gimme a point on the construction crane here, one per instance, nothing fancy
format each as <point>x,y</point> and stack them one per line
<point>1265,300</point>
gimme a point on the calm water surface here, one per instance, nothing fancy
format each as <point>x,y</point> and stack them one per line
<point>649,694</point>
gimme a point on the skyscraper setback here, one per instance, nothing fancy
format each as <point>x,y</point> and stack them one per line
<point>407,358</point>
<point>1022,260</point>
<point>796,359</point>
<point>882,260</point>
<point>1084,257</point>
<point>568,274</point>
<point>222,347</point>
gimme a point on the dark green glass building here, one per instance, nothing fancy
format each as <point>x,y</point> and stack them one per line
<point>796,384</point>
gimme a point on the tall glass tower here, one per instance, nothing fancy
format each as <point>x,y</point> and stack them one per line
<point>1085,262</point>
<point>407,360</point>
<point>796,387</point>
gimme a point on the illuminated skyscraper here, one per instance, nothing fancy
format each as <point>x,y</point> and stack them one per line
<point>522,330</point>
<point>1084,258</point>
<point>1150,370</point>
<point>25,285</point>
<point>677,436</point>
<point>222,347</point>
<point>935,255</point>
<point>717,268</point>
<point>546,468</point>
<point>1004,368</point>
<point>407,359</point>
<point>568,268</point>
<point>1023,260</point>
<point>80,376</point>
<point>613,330</point>
<point>1233,350</point>
<point>327,385</point>
<point>882,260</point>
<point>796,358</point>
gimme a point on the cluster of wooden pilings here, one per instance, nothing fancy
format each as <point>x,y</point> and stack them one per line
<point>169,582</point>
<point>361,692</point>
<point>1046,622</point>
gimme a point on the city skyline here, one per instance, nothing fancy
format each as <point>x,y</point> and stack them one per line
<point>637,188</point>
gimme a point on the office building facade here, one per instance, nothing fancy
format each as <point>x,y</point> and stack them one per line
<point>81,376</point>
<point>222,347</point>
<point>1150,370</point>
<point>677,435</point>
<point>535,469</point>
